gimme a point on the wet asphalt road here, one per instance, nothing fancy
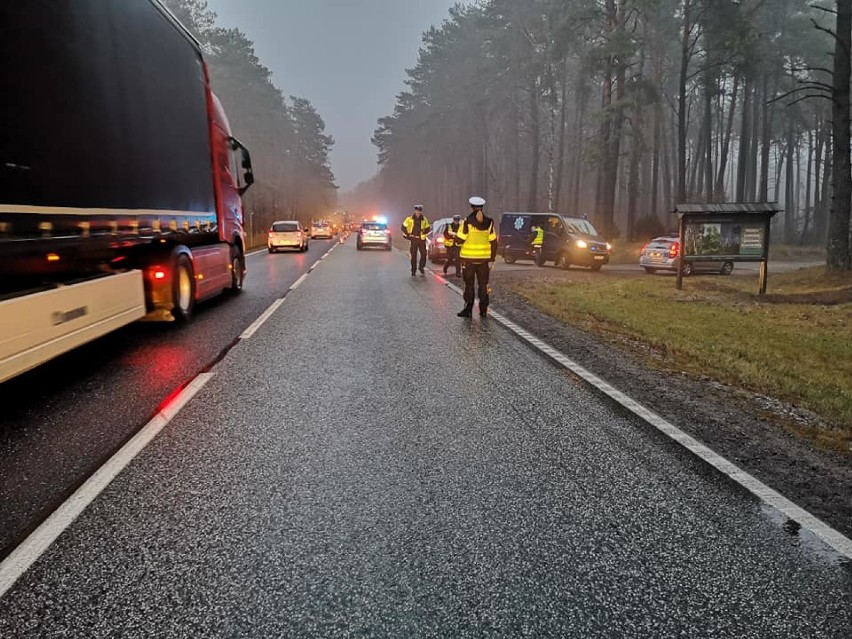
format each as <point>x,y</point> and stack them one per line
<point>368,464</point>
<point>60,422</point>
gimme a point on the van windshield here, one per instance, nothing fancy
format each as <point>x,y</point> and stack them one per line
<point>579,225</point>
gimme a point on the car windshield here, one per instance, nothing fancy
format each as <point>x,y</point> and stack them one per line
<point>579,225</point>
<point>285,227</point>
<point>374,226</point>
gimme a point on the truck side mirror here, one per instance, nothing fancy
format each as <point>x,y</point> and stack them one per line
<point>245,163</point>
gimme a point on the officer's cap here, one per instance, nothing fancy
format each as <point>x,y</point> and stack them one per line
<point>476,201</point>
<point>418,207</point>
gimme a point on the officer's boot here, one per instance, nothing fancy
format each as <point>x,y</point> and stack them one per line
<point>467,311</point>
<point>483,310</point>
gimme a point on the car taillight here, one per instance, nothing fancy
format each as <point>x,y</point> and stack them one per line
<point>158,273</point>
<point>644,246</point>
<point>674,250</point>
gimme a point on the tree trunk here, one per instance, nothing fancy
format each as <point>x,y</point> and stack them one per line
<point>808,177</point>
<point>789,190</point>
<point>685,55</point>
<point>838,258</point>
<point>726,142</point>
<point>710,88</point>
<point>751,178</point>
<point>765,144</point>
<point>563,116</point>
<point>745,138</point>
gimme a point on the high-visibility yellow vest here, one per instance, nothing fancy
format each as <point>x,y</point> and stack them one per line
<point>450,240</point>
<point>538,240</point>
<point>477,242</point>
<point>408,225</point>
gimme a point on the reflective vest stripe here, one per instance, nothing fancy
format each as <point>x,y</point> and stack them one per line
<point>477,243</point>
<point>409,226</point>
<point>539,237</point>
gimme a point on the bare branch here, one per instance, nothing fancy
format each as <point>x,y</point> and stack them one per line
<point>824,9</point>
<point>787,94</point>
<point>808,97</point>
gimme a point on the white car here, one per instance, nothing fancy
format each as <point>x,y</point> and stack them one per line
<point>321,230</point>
<point>287,235</point>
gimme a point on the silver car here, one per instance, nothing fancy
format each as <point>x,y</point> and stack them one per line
<point>663,254</point>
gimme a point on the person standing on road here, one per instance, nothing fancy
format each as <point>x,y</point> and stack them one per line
<point>414,229</point>
<point>478,252</point>
<point>453,244</point>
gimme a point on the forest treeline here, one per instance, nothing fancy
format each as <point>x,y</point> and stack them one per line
<point>620,109</point>
<point>287,139</point>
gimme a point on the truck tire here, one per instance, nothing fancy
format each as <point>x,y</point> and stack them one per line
<point>238,271</point>
<point>563,261</point>
<point>509,258</point>
<point>597,267</point>
<point>183,289</point>
<point>727,268</point>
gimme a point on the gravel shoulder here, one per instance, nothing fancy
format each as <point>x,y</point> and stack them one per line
<point>755,432</point>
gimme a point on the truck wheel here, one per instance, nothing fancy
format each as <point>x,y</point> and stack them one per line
<point>687,269</point>
<point>183,289</point>
<point>509,259</point>
<point>597,267</point>
<point>727,268</point>
<point>563,262</point>
<point>238,271</point>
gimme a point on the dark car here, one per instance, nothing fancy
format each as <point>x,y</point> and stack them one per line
<point>663,254</point>
<point>435,249</point>
<point>568,241</point>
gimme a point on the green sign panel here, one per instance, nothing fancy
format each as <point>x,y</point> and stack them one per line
<point>725,240</point>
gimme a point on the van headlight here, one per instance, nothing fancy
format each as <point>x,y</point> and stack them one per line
<point>581,244</point>
<point>608,246</point>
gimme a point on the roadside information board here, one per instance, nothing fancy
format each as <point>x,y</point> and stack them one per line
<point>730,232</point>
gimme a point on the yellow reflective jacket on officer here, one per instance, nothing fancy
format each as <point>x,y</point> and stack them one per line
<point>478,238</point>
<point>538,240</point>
<point>408,226</point>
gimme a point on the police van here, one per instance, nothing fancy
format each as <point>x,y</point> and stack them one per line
<point>568,241</point>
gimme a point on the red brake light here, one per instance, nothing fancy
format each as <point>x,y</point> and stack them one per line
<point>159,273</point>
<point>440,240</point>
<point>674,249</point>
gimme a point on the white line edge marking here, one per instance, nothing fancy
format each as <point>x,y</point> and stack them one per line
<point>29,551</point>
<point>833,538</point>
<point>260,321</point>
<point>299,281</point>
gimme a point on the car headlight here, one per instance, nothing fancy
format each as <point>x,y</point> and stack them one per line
<point>608,246</point>
<point>581,244</point>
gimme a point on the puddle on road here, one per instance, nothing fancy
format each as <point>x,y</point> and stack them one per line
<point>803,538</point>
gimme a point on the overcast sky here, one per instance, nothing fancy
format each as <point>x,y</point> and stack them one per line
<point>348,57</point>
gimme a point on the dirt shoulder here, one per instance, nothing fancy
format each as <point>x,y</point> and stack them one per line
<point>756,432</point>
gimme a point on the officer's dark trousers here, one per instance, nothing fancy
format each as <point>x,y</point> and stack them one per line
<point>418,245</point>
<point>477,272</point>
<point>452,259</point>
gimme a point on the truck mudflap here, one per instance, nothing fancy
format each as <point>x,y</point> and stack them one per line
<point>36,328</point>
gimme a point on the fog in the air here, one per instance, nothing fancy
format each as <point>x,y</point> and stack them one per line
<point>347,56</point>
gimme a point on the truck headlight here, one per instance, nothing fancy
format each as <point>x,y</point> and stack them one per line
<point>581,244</point>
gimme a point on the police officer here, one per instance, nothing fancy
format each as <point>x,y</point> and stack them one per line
<point>478,252</point>
<point>453,244</point>
<point>537,241</point>
<point>414,229</point>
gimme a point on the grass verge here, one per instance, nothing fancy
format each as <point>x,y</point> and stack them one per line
<point>794,345</point>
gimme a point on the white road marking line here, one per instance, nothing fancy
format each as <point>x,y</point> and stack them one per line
<point>260,321</point>
<point>28,552</point>
<point>255,252</point>
<point>299,281</point>
<point>833,538</point>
